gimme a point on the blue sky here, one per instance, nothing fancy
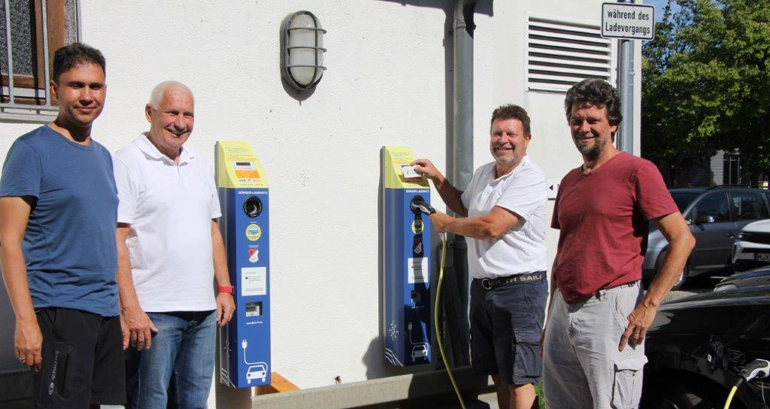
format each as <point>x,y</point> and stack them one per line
<point>659,5</point>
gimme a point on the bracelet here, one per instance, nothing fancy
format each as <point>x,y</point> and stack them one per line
<point>226,289</point>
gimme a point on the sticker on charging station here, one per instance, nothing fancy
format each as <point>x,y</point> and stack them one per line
<point>253,232</point>
<point>418,270</point>
<point>418,226</point>
<point>245,170</point>
<point>253,281</point>
<point>254,255</point>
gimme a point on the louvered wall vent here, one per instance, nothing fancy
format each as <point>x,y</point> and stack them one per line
<point>562,53</point>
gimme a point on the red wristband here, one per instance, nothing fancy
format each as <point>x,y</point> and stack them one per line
<point>226,289</point>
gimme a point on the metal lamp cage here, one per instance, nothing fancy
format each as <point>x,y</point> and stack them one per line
<point>287,49</point>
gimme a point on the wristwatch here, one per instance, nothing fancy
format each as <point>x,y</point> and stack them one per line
<point>226,289</point>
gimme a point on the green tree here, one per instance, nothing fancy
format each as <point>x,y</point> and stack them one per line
<point>706,85</point>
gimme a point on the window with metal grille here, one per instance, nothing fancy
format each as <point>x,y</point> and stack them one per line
<point>561,53</point>
<point>32,31</point>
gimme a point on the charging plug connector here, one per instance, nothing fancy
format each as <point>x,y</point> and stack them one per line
<point>756,369</point>
<point>419,205</point>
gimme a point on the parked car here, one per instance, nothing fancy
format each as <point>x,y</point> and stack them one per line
<point>752,278</point>
<point>697,345</point>
<point>752,247</point>
<point>715,216</point>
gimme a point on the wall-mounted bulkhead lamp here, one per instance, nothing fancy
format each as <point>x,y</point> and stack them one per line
<point>302,50</point>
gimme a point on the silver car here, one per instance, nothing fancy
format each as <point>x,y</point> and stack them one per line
<point>752,247</point>
<point>715,216</point>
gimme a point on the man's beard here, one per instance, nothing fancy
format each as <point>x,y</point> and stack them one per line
<point>592,152</point>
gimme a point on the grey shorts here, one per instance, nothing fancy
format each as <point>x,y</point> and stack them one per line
<point>506,322</point>
<point>583,367</point>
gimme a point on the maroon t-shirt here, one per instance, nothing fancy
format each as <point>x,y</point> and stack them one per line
<point>603,217</point>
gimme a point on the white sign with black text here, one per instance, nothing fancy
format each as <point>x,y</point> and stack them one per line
<point>628,21</point>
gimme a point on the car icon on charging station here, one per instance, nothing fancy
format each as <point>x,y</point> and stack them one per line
<point>258,371</point>
<point>420,351</point>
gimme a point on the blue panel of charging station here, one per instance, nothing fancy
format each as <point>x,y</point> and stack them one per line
<point>244,343</point>
<point>406,281</point>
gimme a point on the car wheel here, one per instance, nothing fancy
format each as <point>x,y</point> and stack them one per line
<point>685,396</point>
<point>682,279</point>
<point>682,275</point>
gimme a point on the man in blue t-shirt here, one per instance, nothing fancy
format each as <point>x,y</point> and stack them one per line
<point>58,211</point>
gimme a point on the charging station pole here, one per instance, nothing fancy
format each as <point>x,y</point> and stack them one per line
<point>244,343</point>
<point>406,270</point>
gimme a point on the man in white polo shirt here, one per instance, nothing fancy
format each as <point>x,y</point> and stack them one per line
<point>170,253</point>
<point>504,218</point>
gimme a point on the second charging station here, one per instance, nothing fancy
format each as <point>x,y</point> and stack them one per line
<point>406,270</point>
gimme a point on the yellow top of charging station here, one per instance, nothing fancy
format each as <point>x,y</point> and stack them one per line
<point>393,176</point>
<point>238,167</point>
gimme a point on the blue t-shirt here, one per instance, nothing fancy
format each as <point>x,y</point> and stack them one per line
<point>69,245</point>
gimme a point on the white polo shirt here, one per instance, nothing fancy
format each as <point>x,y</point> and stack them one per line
<point>521,249</point>
<point>169,208</point>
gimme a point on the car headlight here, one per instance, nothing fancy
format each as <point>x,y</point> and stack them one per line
<point>740,236</point>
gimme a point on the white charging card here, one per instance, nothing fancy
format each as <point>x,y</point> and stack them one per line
<point>409,172</point>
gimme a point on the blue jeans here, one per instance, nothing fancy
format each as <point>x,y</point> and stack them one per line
<point>183,346</point>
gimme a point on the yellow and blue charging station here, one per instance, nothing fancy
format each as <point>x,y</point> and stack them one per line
<point>406,272</point>
<point>243,195</point>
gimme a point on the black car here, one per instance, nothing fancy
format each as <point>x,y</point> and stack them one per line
<point>715,216</point>
<point>697,345</point>
<point>751,278</point>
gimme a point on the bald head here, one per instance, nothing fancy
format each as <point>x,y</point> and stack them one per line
<point>156,97</point>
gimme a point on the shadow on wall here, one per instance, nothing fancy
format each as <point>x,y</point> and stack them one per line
<point>8,359</point>
<point>15,378</point>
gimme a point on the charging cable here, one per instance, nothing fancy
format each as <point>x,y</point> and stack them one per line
<point>756,369</point>
<point>436,322</point>
<point>418,205</point>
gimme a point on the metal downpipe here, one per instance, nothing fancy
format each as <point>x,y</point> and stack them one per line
<point>462,141</point>
<point>460,170</point>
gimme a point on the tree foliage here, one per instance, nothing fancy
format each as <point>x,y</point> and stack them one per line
<point>706,85</point>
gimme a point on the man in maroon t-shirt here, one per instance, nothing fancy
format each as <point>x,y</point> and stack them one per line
<point>597,305</point>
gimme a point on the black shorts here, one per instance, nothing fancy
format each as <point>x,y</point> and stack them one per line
<point>82,360</point>
<point>506,322</point>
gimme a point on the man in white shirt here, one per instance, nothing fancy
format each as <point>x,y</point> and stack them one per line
<point>170,253</point>
<point>503,215</point>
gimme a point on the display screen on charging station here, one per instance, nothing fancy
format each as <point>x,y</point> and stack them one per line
<point>406,278</point>
<point>244,343</point>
